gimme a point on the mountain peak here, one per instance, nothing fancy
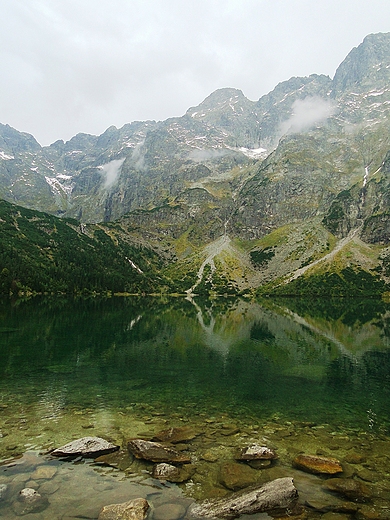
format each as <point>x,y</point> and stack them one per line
<point>367,63</point>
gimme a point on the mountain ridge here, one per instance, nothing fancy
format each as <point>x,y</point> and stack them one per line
<point>284,178</point>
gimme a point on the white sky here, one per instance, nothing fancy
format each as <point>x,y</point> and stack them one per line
<point>70,66</point>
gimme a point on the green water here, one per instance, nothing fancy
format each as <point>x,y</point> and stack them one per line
<point>302,376</point>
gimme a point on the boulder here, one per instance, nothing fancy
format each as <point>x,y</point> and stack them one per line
<point>155,452</point>
<point>29,501</point>
<point>278,495</point>
<point>86,447</point>
<point>169,512</point>
<point>133,510</point>
<point>256,452</point>
<point>176,435</point>
<point>164,471</point>
<point>349,488</point>
<point>235,476</point>
<point>316,464</point>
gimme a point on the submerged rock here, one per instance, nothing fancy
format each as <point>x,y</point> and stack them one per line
<point>133,510</point>
<point>155,452</point>
<point>349,488</point>
<point>176,435</point>
<point>235,476</point>
<point>164,471</point>
<point>86,446</point>
<point>280,494</point>
<point>169,512</point>
<point>29,501</point>
<point>256,452</point>
<point>315,464</point>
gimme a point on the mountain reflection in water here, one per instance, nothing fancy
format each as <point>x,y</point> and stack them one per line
<point>305,376</point>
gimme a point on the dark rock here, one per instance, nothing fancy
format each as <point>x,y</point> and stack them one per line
<point>29,501</point>
<point>133,510</point>
<point>237,476</point>
<point>164,471</point>
<point>256,452</point>
<point>155,452</point>
<point>118,459</point>
<point>316,464</point>
<point>86,447</point>
<point>176,435</point>
<point>277,495</point>
<point>349,488</point>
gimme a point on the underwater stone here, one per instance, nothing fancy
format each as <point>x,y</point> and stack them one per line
<point>29,501</point>
<point>176,435</point>
<point>155,452</point>
<point>86,446</point>
<point>256,452</point>
<point>133,510</point>
<point>235,476</point>
<point>315,464</point>
<point>349,488</point>
<point>164,471</point>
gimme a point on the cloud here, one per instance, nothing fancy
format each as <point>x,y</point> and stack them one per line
<point>112,171</point>
<point>208,154</point>
<point>306,113</point>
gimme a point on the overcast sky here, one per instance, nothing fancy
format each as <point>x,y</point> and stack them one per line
<point>70,66</point>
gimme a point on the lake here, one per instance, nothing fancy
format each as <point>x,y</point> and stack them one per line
<point>300,376</point>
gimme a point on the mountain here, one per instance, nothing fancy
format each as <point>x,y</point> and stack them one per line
<point>238,194</point>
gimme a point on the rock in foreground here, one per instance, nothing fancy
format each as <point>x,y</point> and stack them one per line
<point>256,452</point>
<point>86,446</point>
<point>155,452</point>
<point>318,465</point>
<point>280,494</point>
<point>134,510</point>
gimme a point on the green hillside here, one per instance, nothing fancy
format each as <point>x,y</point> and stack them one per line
<point>42,253</point>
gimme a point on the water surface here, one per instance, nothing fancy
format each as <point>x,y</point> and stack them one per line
<point>301,376</point>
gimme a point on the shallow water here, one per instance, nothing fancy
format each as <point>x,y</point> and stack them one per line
<point>299,376</point>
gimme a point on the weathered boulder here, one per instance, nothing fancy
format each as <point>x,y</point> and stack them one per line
<point>176,435</point>
<point>29,501</point>
<point>86,446</point>
<point>316,464</point>
<point>349,488</point>
<point>280,494</point>
<point>256,452</point>
<point>133,510</point>
<point>164,471</point>
<point>235,476</point>
<point>155,452</point>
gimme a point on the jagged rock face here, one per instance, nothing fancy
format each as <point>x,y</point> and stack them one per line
<point>247,167</point>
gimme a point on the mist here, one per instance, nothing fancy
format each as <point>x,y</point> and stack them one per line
<point>112,171</point>
<point>307,113</point>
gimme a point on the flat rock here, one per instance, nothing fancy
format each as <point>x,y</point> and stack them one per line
<point>235,476</point>
<point>133,510</point>
<point>256,452</point>
<point>349,488</point>
<point>155,452</point>
<point>164,471</point>
<point>118,459</point>
<point>44,473</point>
<point>86,447</point>
<point>176,435</point>
<point>316,464</point>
